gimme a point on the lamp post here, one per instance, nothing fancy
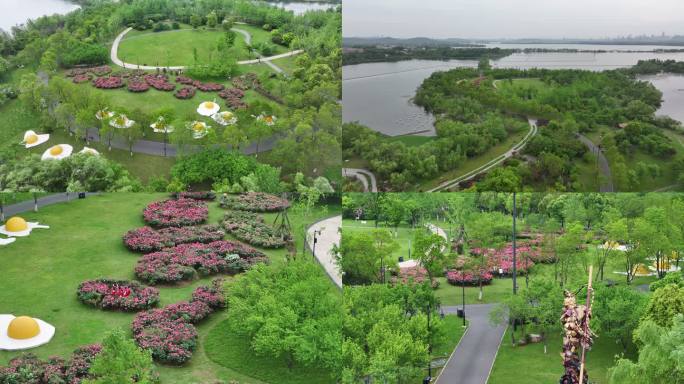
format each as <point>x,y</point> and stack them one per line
<point>428,379</point>
<point>463,303</point>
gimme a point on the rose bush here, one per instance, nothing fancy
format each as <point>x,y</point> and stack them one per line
<point>147,239</point>
<point>110,82</point>
<point>254,201</point>
<point>183,261</point>
<point>117,294</point>
<point>175,213</point>
<point>459,278</point>
<point>185,93</point>
<point>250,228</point>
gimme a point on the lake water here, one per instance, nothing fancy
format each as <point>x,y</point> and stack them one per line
<point>13,12</point>
<point>302,7</point>
<point>379,94</point>
<point>672,87</point>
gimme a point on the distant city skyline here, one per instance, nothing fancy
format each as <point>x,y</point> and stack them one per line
<point>495,19</point>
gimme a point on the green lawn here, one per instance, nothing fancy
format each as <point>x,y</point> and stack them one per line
<point>529,365</point>
<point>404,234</point>
<point>259,35</point>
<point>288,64</point>
<point>175,47</point>
<point>41,273</point>
<point>412,140</point>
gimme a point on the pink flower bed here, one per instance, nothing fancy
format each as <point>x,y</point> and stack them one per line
<point>469,277</point>
<point>250,228</point>
<point>199,195</point>
<point>159,82</point>
<point>413,275</point>
<point>137,85</point>
<point>169,332</point>
<point>208,87</point>
<point>255,202</point>
<point>232,93</point>
<point>147,239</point>
<point>185,93</point>
<point>110,82</point>
<point>101,70</point>
<point>76,72</point>
<point>81,78</point>
<point>500,262</point>
<point>184,80</point>
<point>175,213</point>
<point>29,369</point>
<point>117,294</point>
<point>183,261</point>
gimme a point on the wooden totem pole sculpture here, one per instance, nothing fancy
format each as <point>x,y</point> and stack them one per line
<point>578,336</point>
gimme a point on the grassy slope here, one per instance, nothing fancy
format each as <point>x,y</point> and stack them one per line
<point>83,243</point>
<point>259,35</point>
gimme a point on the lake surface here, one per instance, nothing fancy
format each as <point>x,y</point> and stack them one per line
<point>378,95</point>
<point>13,12</point>
<point>672,87</point>
<point>302,7</point>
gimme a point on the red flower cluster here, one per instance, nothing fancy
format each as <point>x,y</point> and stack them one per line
<point>28,368</point>
<point>185,93</point>
<point>147,240</point>
<point>199,195</point>
<point>184,80</point>
<point>117,294</point>
<point>250,228</point>
<point>208,87</point>
<point>76,72</point>
<point>175,213</point>
<point>160,82</point>
<point>138,85</point>
<point>101,70</point>
<point>233,97</point>
<point>468,277</point>
<point>415,275</point>
<point>169,332</point>
<point>255,202</point>
<point>110,82</point>
<point>81,78</point>
<point>181,262</point>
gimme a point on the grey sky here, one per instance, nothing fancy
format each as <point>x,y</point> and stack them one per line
<point>511,18</point>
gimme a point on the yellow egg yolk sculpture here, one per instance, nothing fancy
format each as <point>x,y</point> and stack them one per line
<point>31,139</point>
<point>56,150</point>
<point>23,327</point>
<point>16,224</point>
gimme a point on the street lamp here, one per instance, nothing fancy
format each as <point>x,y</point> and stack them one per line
<point>463,303</point>
<point>428,379</point>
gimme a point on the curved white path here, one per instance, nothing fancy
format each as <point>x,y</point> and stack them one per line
<point>328,235</point>
<point>114,55</point>
<point>363,175</point>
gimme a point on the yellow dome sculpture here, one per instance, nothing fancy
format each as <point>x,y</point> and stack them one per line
<point>56,150</point>
<point>16,224</point>
<point>23,327</point>
<point>641,270</point>
<point>30,139</point>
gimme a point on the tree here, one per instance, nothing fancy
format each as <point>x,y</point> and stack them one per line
<point>429,249</point>
<point>392,208</point>
<point>568,248</point>
<point>617,311</point>
<point>212,20</point>
<point>514,307</point>
<point>659,359</point>
<point>195,21</point>
<point>664,304</point>
<point>122,362</point>
<point>361,255</point>
<point>291,312</point>
<point>547,299</point>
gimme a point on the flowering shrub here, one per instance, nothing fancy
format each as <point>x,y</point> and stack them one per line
<point>75,72</point>
<point>208,87</point>
<point>27,368</point>
<point>175,213</point>
<point>184,80</point>
<point>101,70</point>
<point>81,78</point>
<point>117,294</point>
<point>416,275</point>
<point>199,195</point>
<point>160,82</point>
<point>236,104</point>
<point>110,82</point>
<point>254,201</point>
<point>137,85</point>
<point>183,261</point>
<point>170,341</point>
<point>501,261</point>
<point>185,93</point>
<point>212,296</point>
<point>469,277</point>
<point>250,228</point>
<point>231,93</point>
<point>147,239</point>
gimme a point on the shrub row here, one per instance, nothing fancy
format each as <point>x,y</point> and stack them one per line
<point>147,239</point>
<point>250,228</point>
<point>254,201</point>
<point>117,294</point>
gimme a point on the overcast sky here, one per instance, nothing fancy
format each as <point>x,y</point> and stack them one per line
<point>511,18</point>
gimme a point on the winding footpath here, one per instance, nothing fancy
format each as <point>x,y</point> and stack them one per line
<point>604,167</point>
<point>114,55</point>
<point>328,235</point>
<point>474,356</point>
<point>27,205</point>
<point>364,176</point>
<point>492,163</point>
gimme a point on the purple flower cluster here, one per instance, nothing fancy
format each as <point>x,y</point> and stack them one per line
<point>137,85</point>
<point>459,278</point>
<point>169,332</point>
<point>175,213</point>
<point>181,262</point>
<point>147,239</point>
<point>185,93</point>
<point>110,82</point>
<point>82,78</point>
<point>28,368</point>
<point>255,202</point>
<point>250,228</point>
<point>117,294</point>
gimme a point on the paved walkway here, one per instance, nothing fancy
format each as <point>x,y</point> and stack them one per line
<point>366,177</point>
<point>604,167</point>
<point>328,236</point>
<point>473,359</point>
<point>114,55</point>
<point>27,205</point>
<point>491,164</point>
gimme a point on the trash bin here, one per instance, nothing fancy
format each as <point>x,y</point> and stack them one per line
<point>81,195</point>
<point>460,312</point>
